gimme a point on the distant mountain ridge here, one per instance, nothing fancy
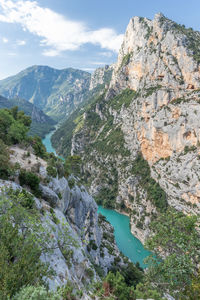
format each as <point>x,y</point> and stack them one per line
<point>56,92</point>
<point>41,123</point>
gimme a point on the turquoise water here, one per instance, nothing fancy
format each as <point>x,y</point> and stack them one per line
<point>47,142</point>
<point>129,245</point>
<point>126,242</point>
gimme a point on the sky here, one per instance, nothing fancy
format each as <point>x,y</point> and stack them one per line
<point>83,34</point>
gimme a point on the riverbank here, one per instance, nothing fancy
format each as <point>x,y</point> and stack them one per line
<point>127,243</point>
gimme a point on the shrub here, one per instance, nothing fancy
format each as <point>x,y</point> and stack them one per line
<point>5,168</point>
<point>154,192</point>
<point>38,147</point>
<point>66,292</point>
<point>89,272</point>
<point>51,171</point>
<point>35,293</point>
<point>73,165</point>
<point>19,246</point>
<point>25,199</point>
<point>30,179</point>
<point>71,183</point>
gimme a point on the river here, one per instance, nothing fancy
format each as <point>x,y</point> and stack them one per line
<point>129,245</point>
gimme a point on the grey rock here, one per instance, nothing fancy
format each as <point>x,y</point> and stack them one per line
<point>49,195</point>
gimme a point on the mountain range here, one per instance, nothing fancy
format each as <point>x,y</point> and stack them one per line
<point>57,92</point>
<point>130,133</point>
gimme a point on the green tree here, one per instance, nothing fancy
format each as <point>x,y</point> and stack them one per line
<point>36,293</point>
<point>5,122</point>
<point>5,167</point>
<point>144,292</point>
<point>26,120</point>
<point>14,125</point>
<point>21,244</point>
<point>38,147</point>
<point>30,179</point>
<point>176,235</point>
<point>73,165</point>
<point>17,132</point>
<point>24,237</point>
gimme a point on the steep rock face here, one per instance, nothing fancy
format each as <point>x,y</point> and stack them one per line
<point>82,243</point>
<point>101,76</point>
<point>151,107</point>
<point>157,51</point>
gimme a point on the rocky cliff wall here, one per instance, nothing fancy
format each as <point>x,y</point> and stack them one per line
<point>82,245</point>
<point>151,107</point>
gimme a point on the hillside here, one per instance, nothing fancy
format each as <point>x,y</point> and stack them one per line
<point>41,123</point>
<point>53,243</point>
<point>140,141</point>
<point>56,92</point>
<point>151,107</point>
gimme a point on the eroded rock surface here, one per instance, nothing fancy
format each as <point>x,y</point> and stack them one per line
<point>159,64</point>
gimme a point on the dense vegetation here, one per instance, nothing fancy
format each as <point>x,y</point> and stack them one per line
<point>62,138</point>
<point>14,127</point>
<point>177,236</point>
<point>154,192</point>
<point>114,286</point>
<point>24,237</point>
<point>21,243</point>
<point>41,124</point>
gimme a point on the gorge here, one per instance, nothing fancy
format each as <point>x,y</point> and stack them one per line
<point>126,242</point>
<point>126,150</point>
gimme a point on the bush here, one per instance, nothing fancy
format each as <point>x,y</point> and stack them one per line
<point>51,171</point>
<point>30,179</point>
<point>73,165</point>
<point>38,147</point>
<point>25,199</point>
<point>20,247</point>
<point>71,183</point>
<point>154,192</point>
<point>66,292</point>
<point>5,168</point>
<point>35,293</point>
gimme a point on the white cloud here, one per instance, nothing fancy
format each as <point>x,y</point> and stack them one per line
<point>21,43</point>
<point>4,40</point>
<point>56,32</point>
<point>12,54</point>
<point>106,54</point>
<point>98,63</point>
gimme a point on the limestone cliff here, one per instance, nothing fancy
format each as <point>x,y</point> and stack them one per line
<point>66,209</point>
<point>101,76</point>
<point>148,114</point>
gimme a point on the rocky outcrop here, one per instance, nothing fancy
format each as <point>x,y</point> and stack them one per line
<point>157,51</point>
<point>101,76</point>
<point>151,107</point>
<point>82,243</point>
